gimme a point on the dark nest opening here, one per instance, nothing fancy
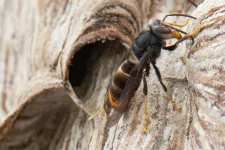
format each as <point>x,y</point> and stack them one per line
<point>92,67</point>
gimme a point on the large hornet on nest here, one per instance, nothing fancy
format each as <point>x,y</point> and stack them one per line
<point>146,47</point>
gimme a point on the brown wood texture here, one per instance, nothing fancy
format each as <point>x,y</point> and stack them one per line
<point>57,59</point>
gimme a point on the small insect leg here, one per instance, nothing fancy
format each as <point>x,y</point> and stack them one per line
<point>146,116</point>
<point>193,3</point>
<point>93,116</point>
<point>175,107</point>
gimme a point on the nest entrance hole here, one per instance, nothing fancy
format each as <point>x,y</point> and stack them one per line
<point>92,67</point>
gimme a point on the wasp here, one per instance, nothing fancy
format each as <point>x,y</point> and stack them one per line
<point>146,48</point>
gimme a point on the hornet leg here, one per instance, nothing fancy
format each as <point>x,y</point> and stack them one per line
<point>107,108</point>
<point>175,107</point>
<point>146,116</point>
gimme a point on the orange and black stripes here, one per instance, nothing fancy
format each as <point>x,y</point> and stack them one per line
<point>118,83</point>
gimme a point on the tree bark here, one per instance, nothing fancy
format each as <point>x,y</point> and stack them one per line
<point>57,59</point>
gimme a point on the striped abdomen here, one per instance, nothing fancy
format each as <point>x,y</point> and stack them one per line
<point>118,83</point>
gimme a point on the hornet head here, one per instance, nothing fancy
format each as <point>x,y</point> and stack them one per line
<point>162,31</point>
